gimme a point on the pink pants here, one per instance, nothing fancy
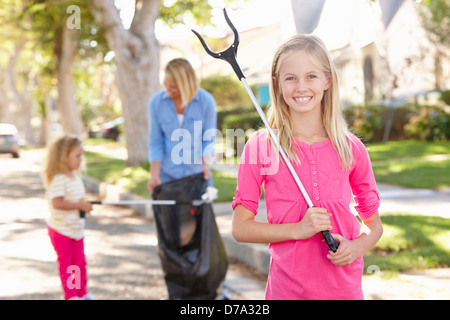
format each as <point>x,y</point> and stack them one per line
<point>72,264</point>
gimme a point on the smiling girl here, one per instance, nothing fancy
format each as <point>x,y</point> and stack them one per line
<point>332,164</point>
<point>65,194</point>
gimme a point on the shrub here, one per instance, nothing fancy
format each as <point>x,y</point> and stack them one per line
<point>226,89</point>
<point>408,122</point>
<point>249,120</point>
<point>445,96</point>
<point>430,124</point>
<point>365,122</point>
<point>223,112</point>
<point>246,122</point>
<point>369,122</point>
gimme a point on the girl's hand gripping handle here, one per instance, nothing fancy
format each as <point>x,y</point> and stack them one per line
<point>83,213</point>
<point>331,242</point>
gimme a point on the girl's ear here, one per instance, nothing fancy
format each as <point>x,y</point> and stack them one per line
<point>275,83</point>
<point>328,83</point>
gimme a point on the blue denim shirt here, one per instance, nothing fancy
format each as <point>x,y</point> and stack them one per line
<point>180,148</point>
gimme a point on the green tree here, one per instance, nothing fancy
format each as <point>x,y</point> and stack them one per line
<point>64,34</point>
<point>436,21</point>
<point>137,58</point>
<point>16,103</point>
<point>58,32</point>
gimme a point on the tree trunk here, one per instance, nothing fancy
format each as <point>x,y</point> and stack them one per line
<point>18,102</point>
<point>67,103</point>
<point>137,60</point>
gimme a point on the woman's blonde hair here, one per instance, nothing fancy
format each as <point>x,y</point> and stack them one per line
<point>181,71</point>
<point>58,151</point>
<point>278,114</point>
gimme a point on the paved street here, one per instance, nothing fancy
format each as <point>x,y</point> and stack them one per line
<point>120,245</point>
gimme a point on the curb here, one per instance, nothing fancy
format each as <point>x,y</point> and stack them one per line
<point>114,193</point>
<point>254,255</point>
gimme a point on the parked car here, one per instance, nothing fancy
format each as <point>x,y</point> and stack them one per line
<point>9,139</point>
<point>111,129</point>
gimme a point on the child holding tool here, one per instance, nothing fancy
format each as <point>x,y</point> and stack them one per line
<point>65,194</point>
<point>332,164</point>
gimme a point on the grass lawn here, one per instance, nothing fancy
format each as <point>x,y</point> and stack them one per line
<point>406,149</point>
<point>411,242</point>
<point>415,173</point>
<point>111,170</point>
<point>415,164</point>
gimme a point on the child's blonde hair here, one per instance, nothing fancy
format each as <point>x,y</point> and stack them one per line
<point>181,71</point>
<point>278,114</point>
<point>58,151</point>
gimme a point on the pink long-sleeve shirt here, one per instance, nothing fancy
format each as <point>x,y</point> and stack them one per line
<point>300,269</point>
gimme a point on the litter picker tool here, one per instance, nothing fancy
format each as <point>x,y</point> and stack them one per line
<point>229,55</point>
<point>210,194</point>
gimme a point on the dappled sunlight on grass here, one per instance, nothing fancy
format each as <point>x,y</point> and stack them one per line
<point>411,242</point>
<point>406,149</point>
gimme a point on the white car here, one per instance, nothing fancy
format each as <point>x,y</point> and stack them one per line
<point>9,139</point>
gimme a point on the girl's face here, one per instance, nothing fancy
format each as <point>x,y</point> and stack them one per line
<point>74,158</point>
<point>171,88</point>
<point>302,82</point>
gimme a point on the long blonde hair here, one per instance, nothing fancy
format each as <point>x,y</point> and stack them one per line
<point>181,71</point>
<point>58,151</point>
<point>278,114</point>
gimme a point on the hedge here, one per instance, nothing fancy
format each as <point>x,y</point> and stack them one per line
<point>379,123</point>
<point>373,123</point>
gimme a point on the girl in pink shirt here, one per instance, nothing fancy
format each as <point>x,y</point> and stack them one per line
<point>331,163</point>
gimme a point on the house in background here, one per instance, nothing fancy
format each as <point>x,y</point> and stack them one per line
<point>380,49</point>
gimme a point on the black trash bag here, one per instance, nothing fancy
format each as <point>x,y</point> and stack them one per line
<point>190,248</point>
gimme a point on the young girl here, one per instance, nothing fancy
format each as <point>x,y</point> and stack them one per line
<point>332,165</point>
<point>65,194</point>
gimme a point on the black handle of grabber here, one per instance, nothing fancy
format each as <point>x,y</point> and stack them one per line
<point>83,213</point>
<point>229,55</point>
<point>331,242</point>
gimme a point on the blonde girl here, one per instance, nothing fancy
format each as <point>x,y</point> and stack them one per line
<point>332,164</point>
<point>65,195</point>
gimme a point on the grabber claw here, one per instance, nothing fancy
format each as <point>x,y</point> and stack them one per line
<point>229,55</point>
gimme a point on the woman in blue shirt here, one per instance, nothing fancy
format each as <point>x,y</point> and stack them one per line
<point>183,125</point>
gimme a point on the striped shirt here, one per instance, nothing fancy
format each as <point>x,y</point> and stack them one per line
<point>66,222</point>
